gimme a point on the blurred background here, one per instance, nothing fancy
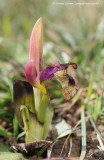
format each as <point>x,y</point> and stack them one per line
<point>71,33</point>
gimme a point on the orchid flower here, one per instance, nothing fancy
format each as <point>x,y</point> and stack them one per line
<point>35,110</point>
<point>33,70</point>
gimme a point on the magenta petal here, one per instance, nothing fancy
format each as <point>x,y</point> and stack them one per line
<point>48,73</point>
<point>34,64</point>
<point>36,45</point>
<point>30,72</point>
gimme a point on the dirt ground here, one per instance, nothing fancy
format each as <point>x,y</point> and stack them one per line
<point>61,148</point>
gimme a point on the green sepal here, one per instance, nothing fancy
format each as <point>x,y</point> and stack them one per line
<point>43,108</point>
<point>15,126</point>
<point>48,121</point>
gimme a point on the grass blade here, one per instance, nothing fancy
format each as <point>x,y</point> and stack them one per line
<point>83,130</point>
<point>94,126</point>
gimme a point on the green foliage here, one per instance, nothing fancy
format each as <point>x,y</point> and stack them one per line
<point>5,133</point>
<point>96,109</point>
<point>6,154</point>
<point>93,102</point>
<point>11,156</point>
<point>15,126</point>
<point>4,148</point>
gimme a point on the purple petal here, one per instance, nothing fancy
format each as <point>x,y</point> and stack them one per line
<point>48,73</point>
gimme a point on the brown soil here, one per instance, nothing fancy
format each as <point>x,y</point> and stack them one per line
<point>61,147</point>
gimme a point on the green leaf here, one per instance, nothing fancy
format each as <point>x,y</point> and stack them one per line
<point>23,95</point>
<point>11,156</point>
<point>4,148</point>
<point>15,126</point>
<point>5,133</point>
<point>20,135</point>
